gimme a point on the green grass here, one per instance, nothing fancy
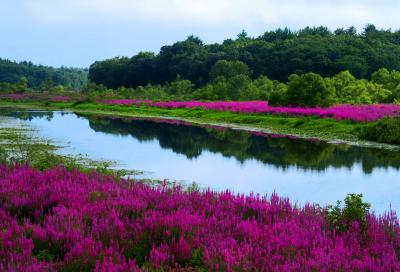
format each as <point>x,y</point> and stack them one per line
<point>305,127</point>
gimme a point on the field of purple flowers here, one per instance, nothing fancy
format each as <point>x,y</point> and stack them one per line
<point>372,112</point>
<point>360,113</point>
<point>71,221</point>
<point>35,96</point>
<point>126,102</point>
<point>339,112</point>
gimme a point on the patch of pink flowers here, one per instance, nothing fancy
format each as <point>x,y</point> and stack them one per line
<point>17,96</point>
<point>59,98</point>
<point>126,102</point>
<point>36,97</point>
<point>339,112</point>
<point>61,220</point>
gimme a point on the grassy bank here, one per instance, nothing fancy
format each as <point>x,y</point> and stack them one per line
<point>305,127</point>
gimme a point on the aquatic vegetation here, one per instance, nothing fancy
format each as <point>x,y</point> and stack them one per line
<point>60,219</point>
<point>22,144</point>
<point>339,112</point>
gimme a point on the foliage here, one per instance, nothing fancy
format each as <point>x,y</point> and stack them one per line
<point>275,54</point>
<point>386,130</point>
<point>310,90</point>
<point>228,69</point>
<point>93,222</point>
<point>390,80</point>
<point>231,81</point>
<point>355,210</point>
<point>303,90</point>
<point>40,77</point>
<point>20,146</point>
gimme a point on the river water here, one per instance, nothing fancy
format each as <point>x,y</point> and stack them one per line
<point>220,158</point>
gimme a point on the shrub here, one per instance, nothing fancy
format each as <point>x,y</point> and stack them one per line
<point>386,130</point>
<point>355,210</point>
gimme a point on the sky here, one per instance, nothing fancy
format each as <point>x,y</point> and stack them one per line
<point>75,33</point>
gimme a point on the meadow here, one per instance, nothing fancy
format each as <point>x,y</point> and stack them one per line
<point>73,221</point>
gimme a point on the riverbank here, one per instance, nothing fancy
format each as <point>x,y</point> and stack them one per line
<point>325,129</point>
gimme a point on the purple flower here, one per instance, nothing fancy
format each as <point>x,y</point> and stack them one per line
<point>59,219</point>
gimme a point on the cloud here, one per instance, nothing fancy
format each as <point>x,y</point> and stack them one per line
<point>217,12</point>
<point>78,32</point>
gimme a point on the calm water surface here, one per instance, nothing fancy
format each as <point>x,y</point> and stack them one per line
<point>305,171</point>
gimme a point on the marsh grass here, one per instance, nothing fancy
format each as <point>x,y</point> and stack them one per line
<point>22,144</point>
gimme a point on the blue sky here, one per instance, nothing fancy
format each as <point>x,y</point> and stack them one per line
<point>78,32</point>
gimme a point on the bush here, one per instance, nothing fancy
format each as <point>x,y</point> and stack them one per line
<point>355,210</point>
<point>386,130</point>
<point>310,90</point>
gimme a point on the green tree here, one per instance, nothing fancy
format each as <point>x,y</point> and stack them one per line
<point>276,54</point>
<point>355,93</point>
<point>11,72</point>
<point>59,89</point>
<point>22,85</point>
<point>265,87</point>
<point>239,87</point>
<point>377,92</point>
<point>228,69</point>
<point>341,83</point>
<point>180,87</point>
<point>390,80</point>
<point>310,90</point>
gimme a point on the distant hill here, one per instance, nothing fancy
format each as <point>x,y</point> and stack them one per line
<point>276,54</point>
<point>41,76</point>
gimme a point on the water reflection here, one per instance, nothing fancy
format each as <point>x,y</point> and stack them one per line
<point>244,162</point>
<point>281,152</point>
<point>193,140</point>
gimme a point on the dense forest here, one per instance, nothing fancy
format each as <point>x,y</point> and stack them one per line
<point>42,77</point>
<point>275,54</point>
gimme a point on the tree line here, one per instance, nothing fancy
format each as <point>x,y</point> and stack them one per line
<point>230,80</point>
<point>275,54</point>
<point>41,77</point>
